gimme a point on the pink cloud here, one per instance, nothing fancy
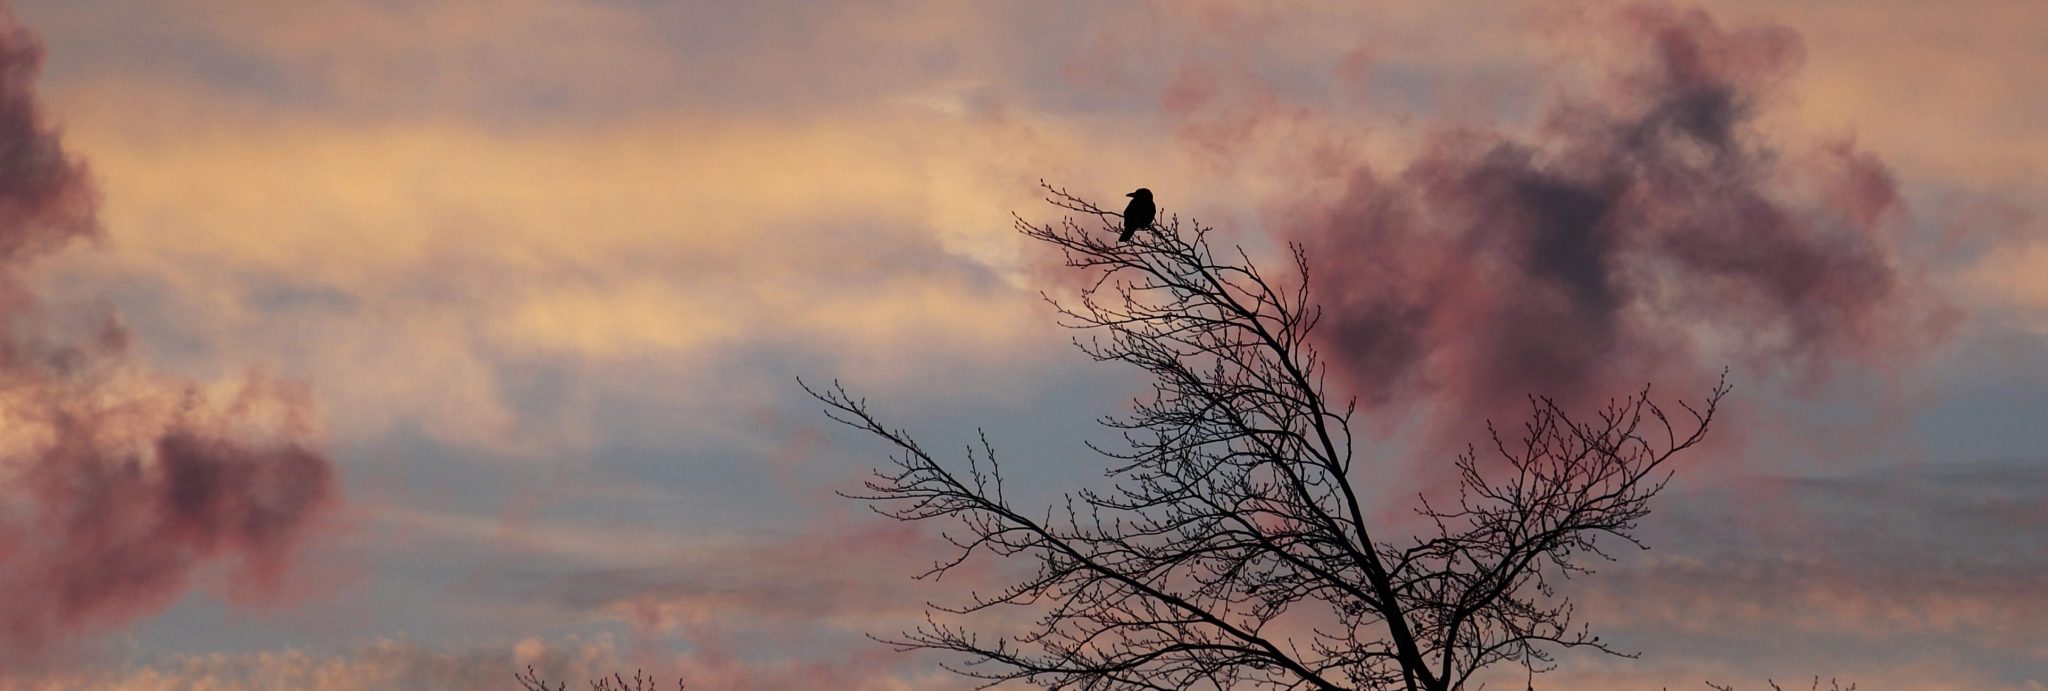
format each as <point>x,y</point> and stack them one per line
<point>121,483</point>
<point>1644,232</point>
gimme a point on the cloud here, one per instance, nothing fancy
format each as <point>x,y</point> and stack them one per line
<point>1870,59</point>
<point>384,664</point>
<point>442,256</point>
<point>119,483</point>
<point>401,664</point>
<point>763,610</point>
<point>1930,566</point>
<point>2010,281</point>
<point>1646,231</point>
<point>857,577</point>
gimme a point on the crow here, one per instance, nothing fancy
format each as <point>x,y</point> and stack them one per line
<point>1138,214</point>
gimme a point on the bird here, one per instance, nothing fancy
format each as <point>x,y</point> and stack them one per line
<point>1138,214</point>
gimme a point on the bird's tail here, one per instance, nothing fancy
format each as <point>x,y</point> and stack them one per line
<point>1126,236</point>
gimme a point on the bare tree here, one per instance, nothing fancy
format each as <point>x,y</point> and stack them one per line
<point>1833,685</point>
<point>1232,548</point>
<point>532,681</point>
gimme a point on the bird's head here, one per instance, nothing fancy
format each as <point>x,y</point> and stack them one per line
<point>1142,193</point>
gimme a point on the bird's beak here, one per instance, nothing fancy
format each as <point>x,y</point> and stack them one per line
<point>1131,194</point>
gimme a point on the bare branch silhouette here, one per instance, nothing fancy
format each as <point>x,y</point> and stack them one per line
<point>1232,549</point>
<point>531,681</point>
<point>1833,685</point>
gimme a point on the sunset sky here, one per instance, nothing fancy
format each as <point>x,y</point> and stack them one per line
<point>477,325</point>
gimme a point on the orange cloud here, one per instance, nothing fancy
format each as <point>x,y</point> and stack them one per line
<point>443,250</point>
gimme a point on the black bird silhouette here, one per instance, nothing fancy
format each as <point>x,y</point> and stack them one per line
<point>1138,214</point>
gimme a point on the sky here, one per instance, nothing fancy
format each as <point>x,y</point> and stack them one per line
<point>393,344</point>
